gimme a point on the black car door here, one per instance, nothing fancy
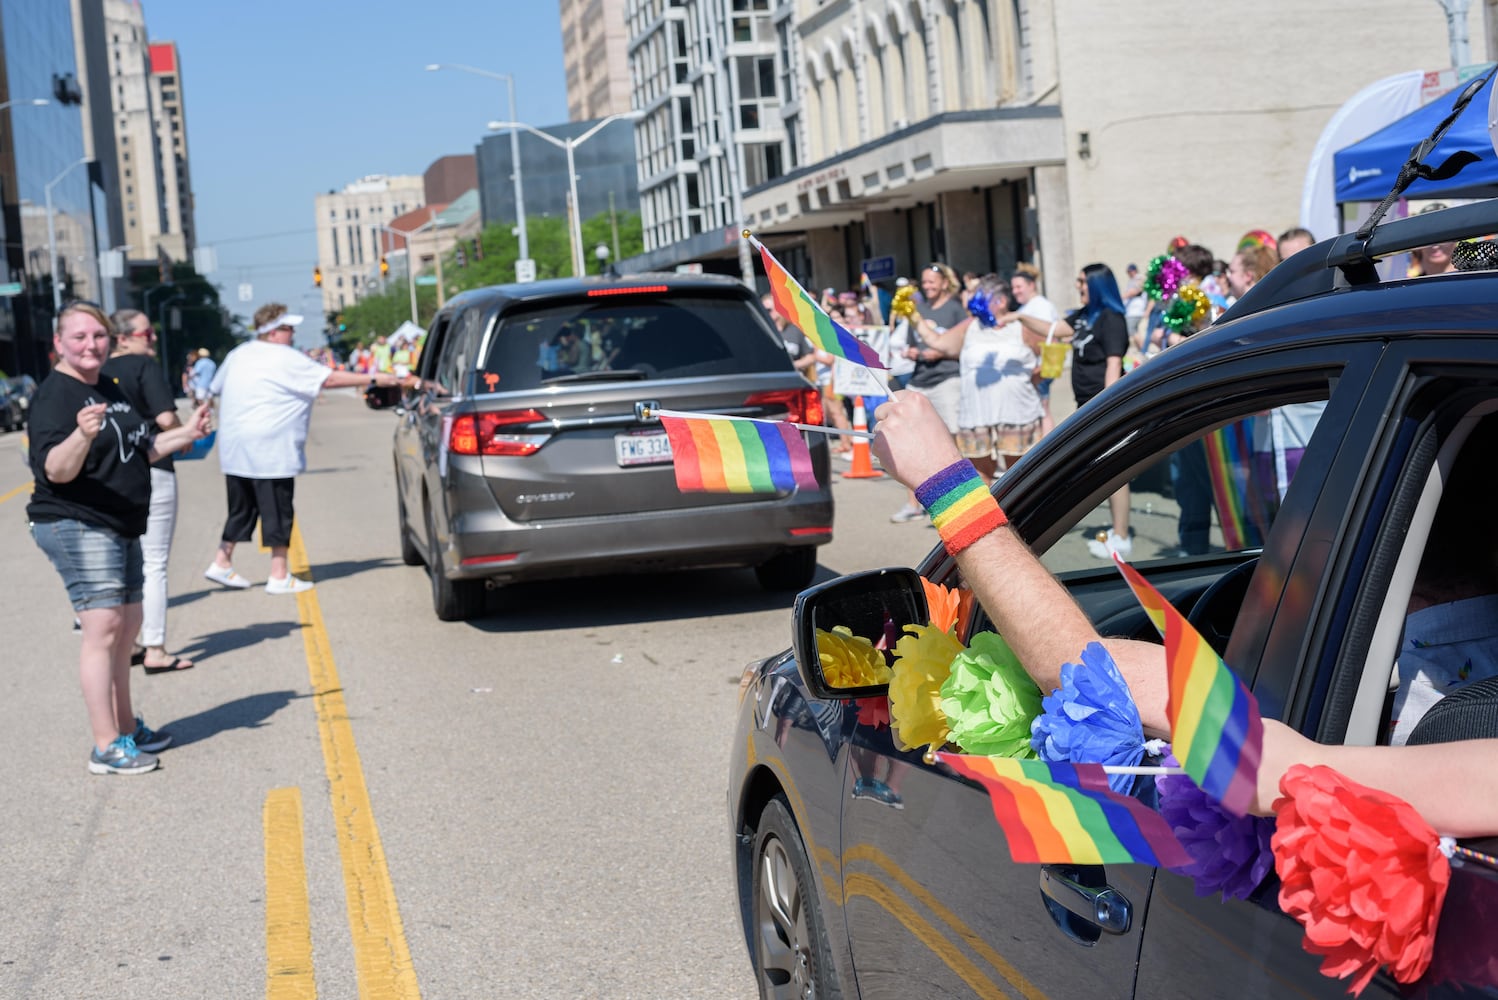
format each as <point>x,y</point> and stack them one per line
<point>1334,611</point>
<point>934,905</point>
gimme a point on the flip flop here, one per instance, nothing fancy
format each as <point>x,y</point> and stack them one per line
<point>177,664</point>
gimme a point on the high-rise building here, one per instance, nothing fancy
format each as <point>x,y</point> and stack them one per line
<point>179,237</point>
<point>92,52</point>
<point>348,232</point>
<point>41,162</point>
<point>605,163</point>
<point>141,188</point>
<point>595,44</point>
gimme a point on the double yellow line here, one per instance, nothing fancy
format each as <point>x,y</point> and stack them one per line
<point>382,959</point>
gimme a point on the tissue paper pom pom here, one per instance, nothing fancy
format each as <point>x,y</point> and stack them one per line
<point>1230,854</point>
<point>873,712</point>
<point>1362,872</point>
<point>1091,718</point>
<point>848,660</point>
<point>948,607</point>
<point>989,700</point>
<point>923,658</point>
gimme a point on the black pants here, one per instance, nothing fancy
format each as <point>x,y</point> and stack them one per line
<point>267,500</point>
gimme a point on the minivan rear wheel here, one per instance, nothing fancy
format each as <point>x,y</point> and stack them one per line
<point>792,569</point>
<point>453,600</point>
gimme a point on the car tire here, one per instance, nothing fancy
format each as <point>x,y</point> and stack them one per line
<point>410,554</point>
<point>452,600</point>
<point>791,953</point>
<point>792,569</point>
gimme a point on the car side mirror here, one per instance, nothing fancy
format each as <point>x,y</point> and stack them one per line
<point>875,605</point>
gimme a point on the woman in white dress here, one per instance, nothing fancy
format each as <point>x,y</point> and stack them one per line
<point>999,413</point>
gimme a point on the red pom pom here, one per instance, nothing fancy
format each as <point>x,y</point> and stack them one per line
<point>1362,872</point>
<point>873,712</point>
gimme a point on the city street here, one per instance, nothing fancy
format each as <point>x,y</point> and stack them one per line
<point>365,799</point>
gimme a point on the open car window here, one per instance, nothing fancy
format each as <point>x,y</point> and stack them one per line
<point>1212,493</point>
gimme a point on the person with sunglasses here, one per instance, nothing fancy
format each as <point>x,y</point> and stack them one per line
<point>937,375</point>
<point>134,368</point>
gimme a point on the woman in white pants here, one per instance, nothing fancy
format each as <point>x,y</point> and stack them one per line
<point>136,371</point>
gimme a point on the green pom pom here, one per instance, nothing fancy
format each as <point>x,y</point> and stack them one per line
<point>989,700</point>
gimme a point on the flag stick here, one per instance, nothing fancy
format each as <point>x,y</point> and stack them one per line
<point>1120,769</point>
<point>646,413</point>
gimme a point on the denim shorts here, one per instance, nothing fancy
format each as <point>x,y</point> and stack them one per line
<point>100,568</point>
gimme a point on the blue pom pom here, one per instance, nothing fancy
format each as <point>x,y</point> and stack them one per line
<point>1091,718</point>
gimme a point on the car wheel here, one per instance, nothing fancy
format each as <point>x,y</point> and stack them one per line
<point>791,954</point>
<point>792,569</point>
<point>410,554</point>
<point>453,600</point>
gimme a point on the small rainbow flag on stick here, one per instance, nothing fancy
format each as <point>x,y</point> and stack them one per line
<point>801,311</point>
<point>715,454</point>
<point>1057,813</point>
<point>1215,728</point>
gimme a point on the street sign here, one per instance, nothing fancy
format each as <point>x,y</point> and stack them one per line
<point>426,279</point>
<point>112,264</point>
<point>525,270</point>
<point>204,260</point>
<point>246,292</point>
<point>693,268</point>
<point>878,268</point>
<point>10,288</point>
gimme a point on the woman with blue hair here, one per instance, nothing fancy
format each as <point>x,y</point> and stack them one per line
<point>1099,340</point>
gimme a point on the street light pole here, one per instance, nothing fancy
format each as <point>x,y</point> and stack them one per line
<point>569,145</point>
<point>52,235</point>
<point>406,235</point>
<point>509,80</point>
<point>37,102</point>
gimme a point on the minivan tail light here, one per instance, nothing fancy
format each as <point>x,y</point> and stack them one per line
<point>597,293</point>
<point>482,434</point>
<point>802,406</point>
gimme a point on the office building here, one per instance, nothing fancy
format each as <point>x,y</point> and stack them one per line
<point>41,153</point>
<point>607,179</point>
<point>449,177</point>
<point>348,231</point>
<point>594,42</point>
<point>168,111</point>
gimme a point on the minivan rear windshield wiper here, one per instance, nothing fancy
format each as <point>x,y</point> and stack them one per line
<point>610,375</point>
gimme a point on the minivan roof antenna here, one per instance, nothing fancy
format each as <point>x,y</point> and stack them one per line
<point>1414,169</point>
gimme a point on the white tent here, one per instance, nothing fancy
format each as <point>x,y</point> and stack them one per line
<point>407,332</point>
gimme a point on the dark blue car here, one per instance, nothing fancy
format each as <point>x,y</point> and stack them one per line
<point>1337,402</point>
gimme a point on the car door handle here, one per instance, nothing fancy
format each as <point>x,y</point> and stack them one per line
<point>1103,906</point>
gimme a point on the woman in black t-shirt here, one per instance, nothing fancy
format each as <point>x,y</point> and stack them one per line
<point>90,455</point>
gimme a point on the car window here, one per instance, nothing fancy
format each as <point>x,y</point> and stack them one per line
<point>431,350</point>
<point>659,336</point>
<point>457,351</point>
<point>1216,492</point>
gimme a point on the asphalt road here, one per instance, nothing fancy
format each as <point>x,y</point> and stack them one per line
<point>364,801</point>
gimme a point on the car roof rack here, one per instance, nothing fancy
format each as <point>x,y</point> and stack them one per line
<point>1348,261</point>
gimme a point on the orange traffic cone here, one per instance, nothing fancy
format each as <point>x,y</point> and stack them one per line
<point>862,468</point>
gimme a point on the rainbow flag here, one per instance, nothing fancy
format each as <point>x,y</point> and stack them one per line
<point>1240,506</point>
<point>738,455</point>
<point>1215,729</point>
<point>801,311</point>
<point>1058,813</point>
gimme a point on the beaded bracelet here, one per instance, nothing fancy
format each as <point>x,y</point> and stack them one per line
<point>960,505</point>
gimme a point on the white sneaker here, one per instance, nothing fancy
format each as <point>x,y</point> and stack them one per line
<point>909,512</point>
<point>1105,545</point>
<point>226,576</point>
<point>287,585</point>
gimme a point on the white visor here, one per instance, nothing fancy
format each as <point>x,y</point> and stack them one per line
<point>286,319</point>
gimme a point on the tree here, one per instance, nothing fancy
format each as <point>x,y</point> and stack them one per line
<point>550,247</point>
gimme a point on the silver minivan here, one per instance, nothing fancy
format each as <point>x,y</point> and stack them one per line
<point>522,457</point>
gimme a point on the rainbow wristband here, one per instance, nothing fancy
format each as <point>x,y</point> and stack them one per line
<point>960,505</point>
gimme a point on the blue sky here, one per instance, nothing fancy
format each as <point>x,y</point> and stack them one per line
<point>286,100</point>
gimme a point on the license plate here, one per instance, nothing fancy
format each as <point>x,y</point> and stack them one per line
<point>644,448</point>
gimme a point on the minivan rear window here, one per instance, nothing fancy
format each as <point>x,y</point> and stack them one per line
<point>630,337</point>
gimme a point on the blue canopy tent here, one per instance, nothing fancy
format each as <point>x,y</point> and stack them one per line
<point>1366,170</point>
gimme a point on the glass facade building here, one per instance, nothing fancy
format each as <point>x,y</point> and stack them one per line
<point>605,165</point>
<point>41,149</point>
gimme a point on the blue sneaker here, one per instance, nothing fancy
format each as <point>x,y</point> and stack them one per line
<point>121,757</point>
<point>148,739</point>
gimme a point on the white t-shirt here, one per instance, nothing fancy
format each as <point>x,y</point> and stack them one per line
<point>267,391</point>
<point>996,384</point>
<point>1040,307</point>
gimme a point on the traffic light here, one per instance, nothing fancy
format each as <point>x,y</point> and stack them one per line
<point>342,326</point>
<point>478,248</point>
<point>384,266</point>
<point>462,258</point>
<point>317,276</point>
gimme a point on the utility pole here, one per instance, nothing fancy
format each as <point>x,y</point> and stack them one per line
<point>1456,30</point>
<point>614,224</point>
